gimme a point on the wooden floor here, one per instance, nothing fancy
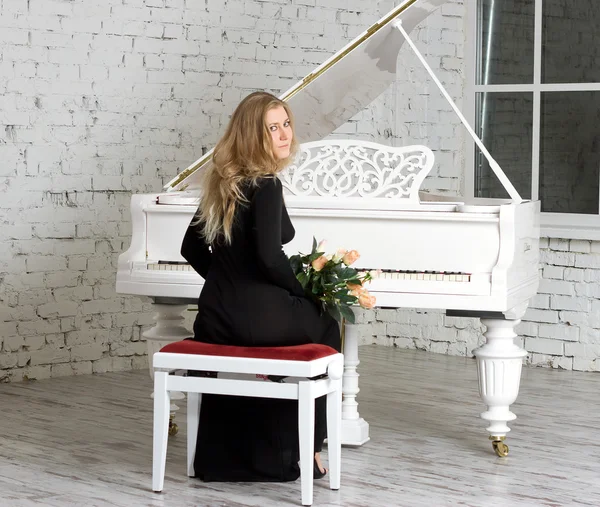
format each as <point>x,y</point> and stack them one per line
<point>86,441</point>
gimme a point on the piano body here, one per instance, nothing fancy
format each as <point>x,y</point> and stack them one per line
<point>478,259</point>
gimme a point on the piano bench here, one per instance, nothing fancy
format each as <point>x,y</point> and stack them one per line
<point>305,361</point>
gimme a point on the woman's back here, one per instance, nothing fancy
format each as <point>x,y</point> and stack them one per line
<point>251,295</point>
<point>256,240</point>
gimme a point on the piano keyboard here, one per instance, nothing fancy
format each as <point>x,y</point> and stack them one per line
<point>169,266</point>
<point>426,276</point>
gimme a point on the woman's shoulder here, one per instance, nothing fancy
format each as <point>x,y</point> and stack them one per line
<point>265,185</point>
<point>268,181</point>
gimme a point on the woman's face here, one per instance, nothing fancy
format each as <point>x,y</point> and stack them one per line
<point>280,128</point>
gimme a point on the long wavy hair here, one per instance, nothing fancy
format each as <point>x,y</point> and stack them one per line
<point>243,155</point>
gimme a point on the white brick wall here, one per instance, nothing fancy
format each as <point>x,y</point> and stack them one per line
<point>99,99</point>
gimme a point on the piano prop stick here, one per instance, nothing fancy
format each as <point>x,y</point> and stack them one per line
<point>479,259</point>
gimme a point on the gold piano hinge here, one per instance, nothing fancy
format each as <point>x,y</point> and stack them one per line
<point>308,78</point>
<point>191,169</point>
<point>373,28</point>
<point>370,31</point>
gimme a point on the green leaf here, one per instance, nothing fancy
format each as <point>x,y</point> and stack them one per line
<point>334,312</point>
<point>348,273</point>
<point>296,263</point>
<point>303,278</point>
<point>347,299</point>
<point>347,313</point>
<point>314,256</point>
<point>314,247</point>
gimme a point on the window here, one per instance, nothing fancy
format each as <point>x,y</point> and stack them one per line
<point>536,95</point>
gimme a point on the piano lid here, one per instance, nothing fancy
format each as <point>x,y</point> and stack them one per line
<point>343,85</point>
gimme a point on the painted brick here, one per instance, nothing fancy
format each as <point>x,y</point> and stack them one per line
<point>87,352</point>
<point>49,355</point>
<point>545,346</point>
<point>571,274</point>
<point>556,287</point>
<point>587,261</point>
<point>577,304</point>
<point>527,328</point>
<point>582,350</point>
<point>556,272</point>
<point>580,246</point>
<point>549,316</point>
<point>584,364</point>
<point>557,258</point>
<point>542,302</point>
<point>561,245</point>
<point>575,318</point>
<point>589,334</point>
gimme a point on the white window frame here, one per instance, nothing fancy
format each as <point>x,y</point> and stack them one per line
<point>553,225</point>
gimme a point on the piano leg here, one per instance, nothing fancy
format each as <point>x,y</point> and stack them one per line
<point>499,363</point>
<point>355,430</point>
<point>168,328</point>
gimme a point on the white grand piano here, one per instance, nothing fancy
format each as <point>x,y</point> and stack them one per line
<point>475,259</point>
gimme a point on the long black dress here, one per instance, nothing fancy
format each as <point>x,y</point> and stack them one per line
<point>251,297</point>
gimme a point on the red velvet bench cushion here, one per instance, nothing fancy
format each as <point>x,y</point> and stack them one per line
<point>306,352</point>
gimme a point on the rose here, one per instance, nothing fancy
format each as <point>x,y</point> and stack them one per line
<point>375,273</point>
<point>355,289</point>
<point>319,263</point>
<point>366,300</point>
<point>339,255</point>
<point>350,257</point>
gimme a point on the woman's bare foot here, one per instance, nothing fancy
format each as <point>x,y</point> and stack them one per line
<point>319,462</point>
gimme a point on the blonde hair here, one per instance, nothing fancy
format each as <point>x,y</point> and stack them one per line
<point>243,155</point>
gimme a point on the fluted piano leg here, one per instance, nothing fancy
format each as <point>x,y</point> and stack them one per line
<point>355,430</point>
<point>168,328</point>
<point>499,363</point>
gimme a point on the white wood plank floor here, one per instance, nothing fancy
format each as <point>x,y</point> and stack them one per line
<point>86,441</point>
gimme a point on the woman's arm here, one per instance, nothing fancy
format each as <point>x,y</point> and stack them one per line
<point>194,248</point>
<point>287,228</point>
<point>267,206</point>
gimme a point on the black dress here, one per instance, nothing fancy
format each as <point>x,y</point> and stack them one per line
<point>251,297</point>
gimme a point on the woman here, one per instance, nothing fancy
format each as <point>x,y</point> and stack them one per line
<point>251,296</point>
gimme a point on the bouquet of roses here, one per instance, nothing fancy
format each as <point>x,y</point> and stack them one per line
<point>331,282</point>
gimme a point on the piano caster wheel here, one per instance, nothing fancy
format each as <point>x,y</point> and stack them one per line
<point>173,428</point>
<point>500,448</point>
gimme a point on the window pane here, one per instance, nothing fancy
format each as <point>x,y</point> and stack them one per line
<point>505,129</point>
<point>505,41</point>
<point>570,41</point>
<point>569,152</point>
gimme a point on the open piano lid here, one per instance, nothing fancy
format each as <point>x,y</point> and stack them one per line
<point>350,80</point>
<point>343,85</point>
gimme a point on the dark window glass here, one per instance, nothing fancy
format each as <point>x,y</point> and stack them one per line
<point>505,128</point>
<point>505,41</point>
<point>571,41</point>
<point>570,152</point>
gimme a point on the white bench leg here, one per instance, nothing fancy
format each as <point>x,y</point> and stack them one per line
<point>162,403</point>
<point>334,434</point>
<point>194,401</point>
<point>306,437</point>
